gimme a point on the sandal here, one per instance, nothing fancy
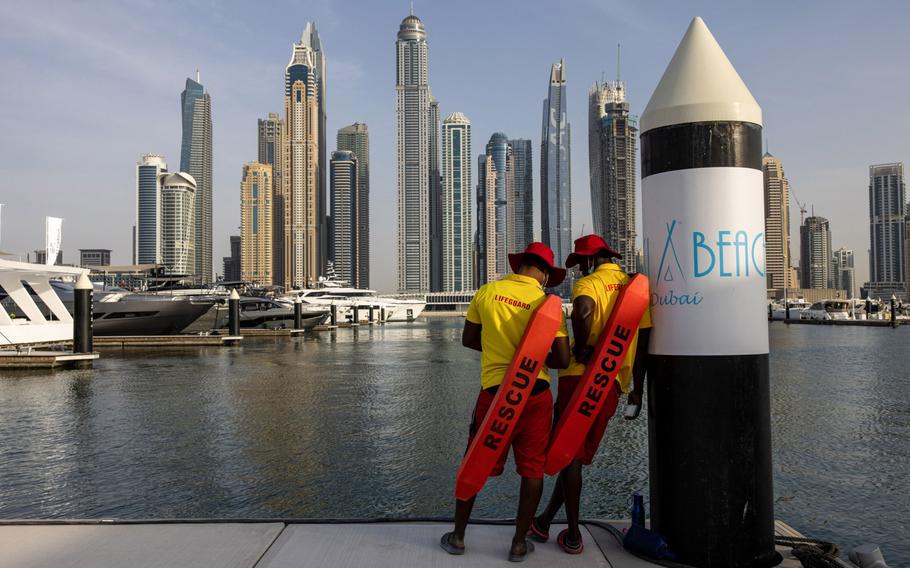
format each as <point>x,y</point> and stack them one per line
<point>567,546</point>
<point>529,548</point>
<point>537,533</point>
<point>447,545</point>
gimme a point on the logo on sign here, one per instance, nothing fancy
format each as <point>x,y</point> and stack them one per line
<point>689,258</point>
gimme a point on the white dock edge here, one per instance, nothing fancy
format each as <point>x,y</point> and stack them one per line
<point>274,544</point>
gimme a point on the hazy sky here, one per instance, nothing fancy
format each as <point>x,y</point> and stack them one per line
<point>88,87</point>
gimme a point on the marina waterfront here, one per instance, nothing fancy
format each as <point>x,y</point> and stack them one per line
<point>371,422</point>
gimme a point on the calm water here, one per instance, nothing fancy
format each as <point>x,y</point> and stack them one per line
<point>369,423</point>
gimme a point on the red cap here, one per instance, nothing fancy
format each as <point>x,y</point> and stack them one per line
<point>589,245</point>
<point>543,252</point>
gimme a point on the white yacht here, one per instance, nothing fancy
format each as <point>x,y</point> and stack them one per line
<point>345,298</point>
<point>797,307</point>
<point>828,310</point>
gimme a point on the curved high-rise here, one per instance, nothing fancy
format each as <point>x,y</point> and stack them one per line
<point>414,111</point>
<point>196,159</point>
<point>178,235</point>
<point>555,184</point>
<point>495,219</point>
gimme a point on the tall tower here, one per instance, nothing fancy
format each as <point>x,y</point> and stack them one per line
<point>522,197</point>
<point>196,160</point>
<point>272,141</point>
<point>555,184</point>
<point>147,241</point>
<point>777,224</point>
<point>310,38</point>
<point>343,173</point>
<point>816,256</point>
<point>435,200</point>
<point>611,155</point>
<point>457,232</point>
<point>844,271</point>
<point>256,232</point>
<point>414,115</point>
<point>303,209</point>
<point>495,182</point>
<point>178,219</point>
<point>356,138</point>
<point>887,213</point>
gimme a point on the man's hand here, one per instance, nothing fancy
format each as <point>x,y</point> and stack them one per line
<point>633,403</point>
<point>634,398</point>
<point>583,353</point>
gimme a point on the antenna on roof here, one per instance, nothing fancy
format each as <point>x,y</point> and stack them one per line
<point>197,74</point>
<point>412,7</point>
<point>618,49</point>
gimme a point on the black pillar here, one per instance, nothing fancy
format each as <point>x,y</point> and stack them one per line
<point>82,316</point>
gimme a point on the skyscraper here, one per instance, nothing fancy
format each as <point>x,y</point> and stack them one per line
<point>457,233</point>
<point>196,160</point>
<point>256,232</point>
<point>555,184</point>
<point>356,138</point>
<point>178,220</point>
<point>435,200</point>
<point>495,181</point>
<point>304,210</point>
<point>611,155</point>
<point>522,198</point>
<point>343,173</point>
<point>887,215</point>
<point>310,38</point>
<point>777,224</point>
<point>148,209</point>
<point>844,274</point>
<point>414,115</point>
<point>231,264</point>
<point>272,143</point>
<point>816,255</point>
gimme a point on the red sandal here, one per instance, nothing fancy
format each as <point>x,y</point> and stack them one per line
<point>537,533</point>
<point>569,547</point>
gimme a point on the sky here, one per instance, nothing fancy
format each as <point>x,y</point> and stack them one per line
<point>88,87</point>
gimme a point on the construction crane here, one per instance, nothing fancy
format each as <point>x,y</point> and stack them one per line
<point>802,207</point>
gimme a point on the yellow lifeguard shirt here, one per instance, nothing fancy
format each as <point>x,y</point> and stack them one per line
<point>503,309</point>
<point>603,286</point>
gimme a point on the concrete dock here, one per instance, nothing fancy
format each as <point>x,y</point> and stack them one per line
<point>35,359</point>
<point>279,544</point>
<point>128,341</point>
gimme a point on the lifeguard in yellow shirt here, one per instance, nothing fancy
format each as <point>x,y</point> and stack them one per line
<point>494,325</point>
<point>593,300</point>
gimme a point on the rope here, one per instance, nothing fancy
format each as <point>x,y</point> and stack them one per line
<point>812,553</point>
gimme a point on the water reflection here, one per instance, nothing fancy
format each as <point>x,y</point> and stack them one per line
<point>372,421</point>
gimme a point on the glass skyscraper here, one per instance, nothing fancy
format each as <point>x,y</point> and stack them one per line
<point>196,160</point>
<point>148,209</point>
<point>555,184</point>
<point>522,197</point>
<point>271,141</point>
<point>495,181</point>
<point>457,233</point>
<point>356,138</point>
<point>887,214</point>
<point>343,185</point>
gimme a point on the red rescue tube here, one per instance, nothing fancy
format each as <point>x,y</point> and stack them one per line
<point>600,372</point>
<point>498,425</point>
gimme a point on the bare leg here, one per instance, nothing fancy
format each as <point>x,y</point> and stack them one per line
<point>556,500</point>
<point>572,491</point>
<point>462,515</point>
<point>531,491</point>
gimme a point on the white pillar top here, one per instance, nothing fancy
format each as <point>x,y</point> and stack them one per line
<point>699,85</point>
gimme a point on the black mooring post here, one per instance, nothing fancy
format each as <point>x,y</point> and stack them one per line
<point>709,419</point>
<point>868,308</point>
<point>298,313</point>
<point>334,314</point>
<point>356,314</point>
<point>372,313</point>
<point>234,313</point>
<point>893,311</point>
<point>82,316</point>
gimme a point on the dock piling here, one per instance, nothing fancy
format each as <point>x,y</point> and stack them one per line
<point>356,314</point>
<point>709,420</point>
<point>372,313</point>
<point>893,310</point>
<point>234,313</point>
<point>298,313</point>
<point>334,314</point>
<point>82,316</point>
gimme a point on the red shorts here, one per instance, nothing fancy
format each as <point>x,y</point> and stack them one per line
<point>529,437</point>
<point>587,450</point>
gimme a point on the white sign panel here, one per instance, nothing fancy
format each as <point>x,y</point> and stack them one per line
<point>53,239</point>
<point>704,246</point>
